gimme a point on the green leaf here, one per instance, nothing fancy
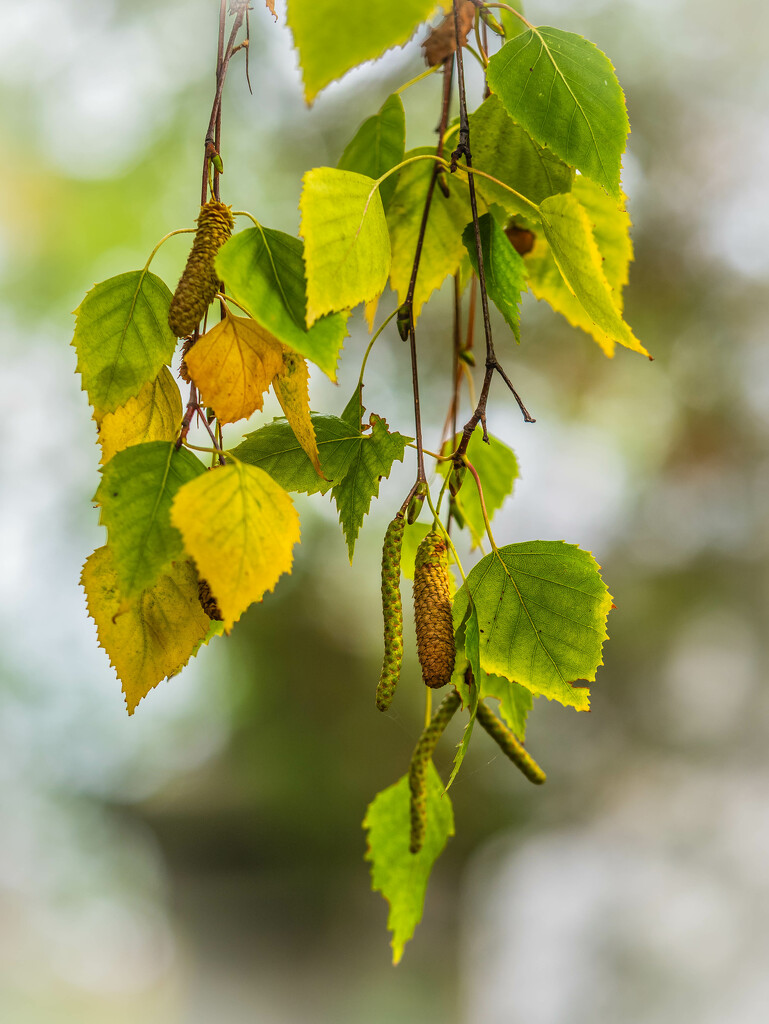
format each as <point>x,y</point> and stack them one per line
<point>399,875</point>
<point>504,150</point>
<point>373,460</point>
<point>504,268</point>
<point>611,230</point>
<point>562,89</point>
<point>122,337</point>
<point>542,609</point>
<point>515,701</point>
<point>346,244</point>
<point>264,271</point>
<point>352,461</point>
<point>275,449</point>
<point>497,467</point>
<point>136,490</point>
<point>442,251</point>
<point>335,36</point>
<point>569,234</point>
<point>378,145</point>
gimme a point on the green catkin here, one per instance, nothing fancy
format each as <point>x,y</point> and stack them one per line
<point>199,283</point>
<point>509,744</point>
<point>420,761</point>
<point>432,611</point>
<point>392,611</point>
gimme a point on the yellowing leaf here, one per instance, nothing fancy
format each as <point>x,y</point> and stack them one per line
<point>294,397</point>
<point>240,527</point>
<point>232,365</point>
<point>346,244</point>
<point>334,36</point>
<point>442,249</point>
<point>157,635</point>
<point>569,234</point>
<point>611,230</point>
<point>155,414</point>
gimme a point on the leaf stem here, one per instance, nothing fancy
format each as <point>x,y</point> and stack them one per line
<point>371,345</point>
<point>413,81</point>
<point>506,7</point>
<point>477,479</point>
<point>178,231</point>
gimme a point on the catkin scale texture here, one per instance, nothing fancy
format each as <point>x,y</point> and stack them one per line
<point>392,611</point>
<point>199,284</point>
<point>432,611</point>
<point>420,761</point>
<point>509,744</point>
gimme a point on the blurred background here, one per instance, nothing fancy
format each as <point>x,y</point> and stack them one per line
<point>203,860</point>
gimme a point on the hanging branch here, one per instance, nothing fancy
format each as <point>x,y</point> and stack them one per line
<point>212,146</point>
<point>492,364</point>
<point>214,131</point>
<point>406,313</point>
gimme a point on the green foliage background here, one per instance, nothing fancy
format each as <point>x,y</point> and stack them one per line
<point>203,861</point>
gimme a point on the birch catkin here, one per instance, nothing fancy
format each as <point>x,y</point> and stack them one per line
<point>199,283</point>
<point>432,611</point>
<point>509,744</point>
<point>420,761</point>
<point>392,611</point>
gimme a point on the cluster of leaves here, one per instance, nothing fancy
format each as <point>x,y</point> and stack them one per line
<point>190,547</point>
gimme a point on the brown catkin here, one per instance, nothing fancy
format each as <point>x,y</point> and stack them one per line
<point>199,284</point>
<point>509,744</point>
<point>432,611</point>
<point>208,601</point>
<point>420,761</point>
<point>392,611</point>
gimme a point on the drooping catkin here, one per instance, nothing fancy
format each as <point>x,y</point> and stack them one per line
<point>392,611</point>
<point>509,744</point>
<point>420,761</point>
<point>199,284</point>
<point>432,611</point>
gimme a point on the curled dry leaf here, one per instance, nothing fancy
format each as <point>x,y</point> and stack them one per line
<point>442,42</point>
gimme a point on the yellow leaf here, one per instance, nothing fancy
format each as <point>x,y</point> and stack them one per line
<point>153,638</point>
<point>569,234</point>
<point>240,527</point>
<point>611,230</point>
<point>232,366</point>
<point>369,311</point>
<point>155,414</point>
<point>294,397</point>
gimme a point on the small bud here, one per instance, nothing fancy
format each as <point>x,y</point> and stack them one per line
<point>403,320</point>
<point>415,505</point>
<point>216,160</point>
<point>456,479</point>
<point>467,356</point>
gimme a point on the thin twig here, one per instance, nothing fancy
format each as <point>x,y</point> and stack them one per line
<point>213,133</point>
<point>492,364</point>
<point>408,305</point>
